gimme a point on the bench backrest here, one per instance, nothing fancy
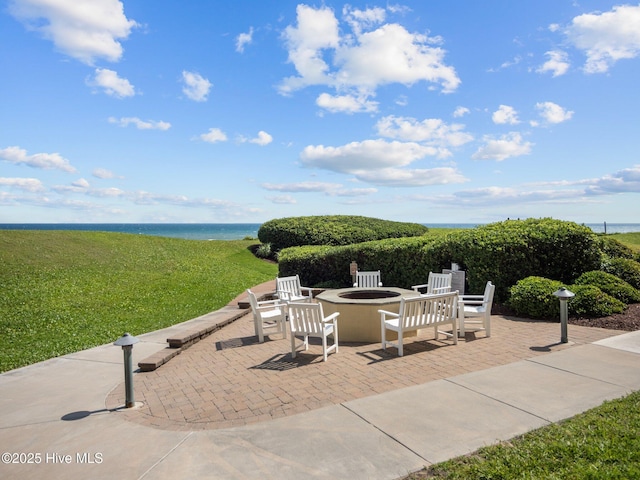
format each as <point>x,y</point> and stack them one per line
<point>428,310</point>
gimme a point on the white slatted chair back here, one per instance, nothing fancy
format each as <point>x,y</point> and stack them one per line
<point>289,289</point>
<point>368,279</point>
<point>308,320</point>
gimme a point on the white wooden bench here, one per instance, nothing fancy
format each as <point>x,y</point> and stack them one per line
<point>418,313</point>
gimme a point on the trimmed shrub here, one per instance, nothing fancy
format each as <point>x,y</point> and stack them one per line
<point>590,301</point>
<point>533,297</point>
<point>610,284</point>
<point>613,248</point>
<point>627,269</point>
<point>400,260</point>
<point>333,230</point>
<point>509,251</point>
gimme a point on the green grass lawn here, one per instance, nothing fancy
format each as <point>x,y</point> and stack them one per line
<point>602,443</point>
<point>631,240</point>
<point>65,291</point>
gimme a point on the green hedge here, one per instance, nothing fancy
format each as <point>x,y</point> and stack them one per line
<point>509,251</point>
<point>400,260</point>
<point>333,230</point>
<point>609,283</point>
<point>533,297</point>
<point>627,269</point>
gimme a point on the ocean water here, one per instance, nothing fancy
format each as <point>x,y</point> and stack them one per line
<point>235,231</point>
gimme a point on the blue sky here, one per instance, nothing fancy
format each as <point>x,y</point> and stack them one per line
<point>206,111</point>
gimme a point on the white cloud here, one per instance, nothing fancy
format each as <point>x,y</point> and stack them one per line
<point>361,156</point>
<point>244,39</point>
<point>553,113</point>
<point>83,29</point>
<point>214,135</point>
<point>262,139</point>
<point>627,180</point>
<point>282,199</point>
<point>45,161</point>
<point>140,124</point>
<point>346,103</point>
<point>27,184</point>
<point>431,131</point>
<point>505,114</point>
<point>379,162</point>
<point>397,177</point>
<point>104,174</point>
<point>507,146</point>
<point>606,37</point>
<point>357,64</point>
<point>331,189</point>
<point>112,84</point>
<point>557,63</point>
<point>195,87</point>
<point>363,19</point>
<point>460,112</point>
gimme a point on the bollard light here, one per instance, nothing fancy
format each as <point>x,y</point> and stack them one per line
<point>126,342</point>
<point>564,295</point>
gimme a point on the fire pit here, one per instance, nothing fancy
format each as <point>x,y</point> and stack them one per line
<point>368,294</point>
<point>359,320</point>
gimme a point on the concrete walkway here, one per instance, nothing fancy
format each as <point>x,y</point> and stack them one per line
<point>229,407</point>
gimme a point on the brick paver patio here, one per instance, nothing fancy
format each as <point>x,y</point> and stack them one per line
<point>229,379</point>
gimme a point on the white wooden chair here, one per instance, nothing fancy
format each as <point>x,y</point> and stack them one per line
<point>268,316</point>
<point>476,306</point>
<point>368,279</point>
<point>308,320</point>
<point>421,312</point>
<point>288,289</point>
<point>437,283</point>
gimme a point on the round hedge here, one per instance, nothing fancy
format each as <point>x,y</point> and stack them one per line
<point>333,230</point>
<point>609,283</point>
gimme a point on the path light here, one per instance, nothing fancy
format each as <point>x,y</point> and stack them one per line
<point>564,295</point>
<point>126,342</point>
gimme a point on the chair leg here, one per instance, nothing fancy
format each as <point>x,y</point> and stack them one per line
<point>335,335</point>
<point>487,324</point>
<point>400,348</point>
<point>383,337</point>
<point>324,347</point>
<point>293,345</point>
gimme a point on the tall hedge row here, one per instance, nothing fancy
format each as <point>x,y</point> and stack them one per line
<point>401,261</point>
<point>508,251</point>
<point>333,230</point>
<point>503,252</point>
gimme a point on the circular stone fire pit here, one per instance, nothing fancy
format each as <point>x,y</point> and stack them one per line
<point>359,320</point>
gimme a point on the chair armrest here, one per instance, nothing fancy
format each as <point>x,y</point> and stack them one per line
<point>385,313</point>
<point>417,287</point>
<point>442,290</point>
<point>309,291</point>
<point>268,302</point>
<point>331,317</point>
<point>471,297</point>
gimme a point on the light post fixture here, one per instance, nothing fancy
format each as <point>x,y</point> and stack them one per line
<point>126,342</point>
<point>564,295</point>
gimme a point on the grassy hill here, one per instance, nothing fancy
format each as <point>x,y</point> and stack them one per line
<point>64,291</point>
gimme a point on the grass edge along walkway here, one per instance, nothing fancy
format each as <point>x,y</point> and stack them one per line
<point>601,443</point>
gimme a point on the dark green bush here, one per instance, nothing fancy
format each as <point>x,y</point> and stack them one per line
<point>400,260</point>
<point>627,269</point>
<point>613,248</point>
<point>590,301</point>
<point>609,283</point>
<point>533,297</point>
<point>333,230</point>
<point>509,251</point>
